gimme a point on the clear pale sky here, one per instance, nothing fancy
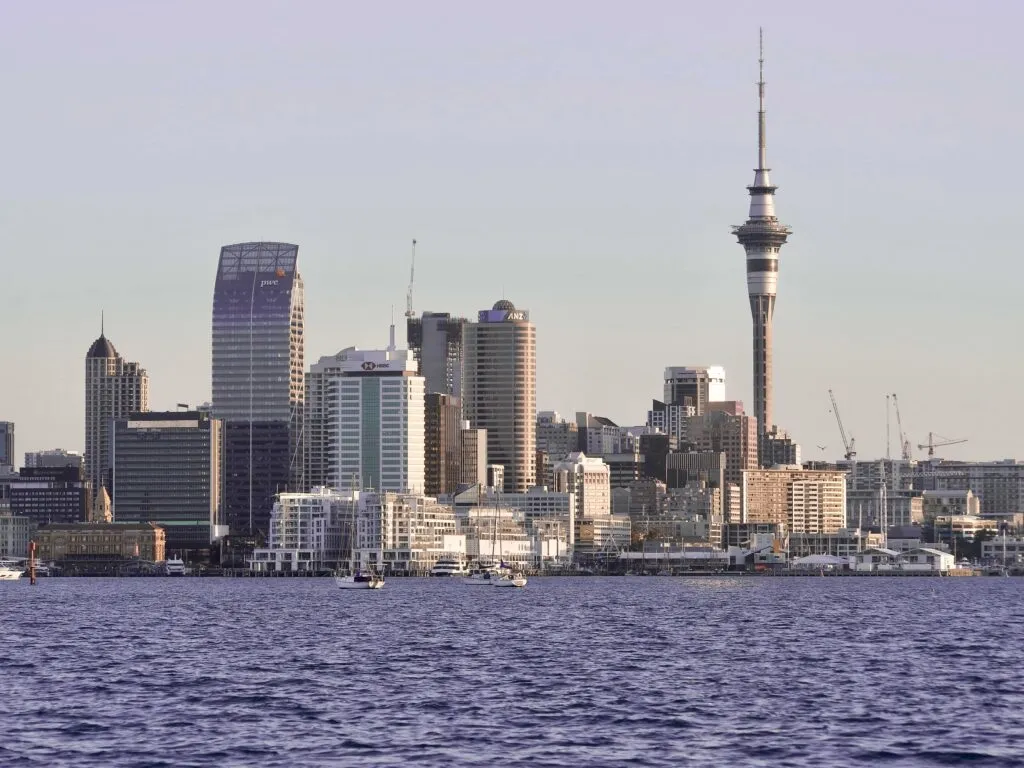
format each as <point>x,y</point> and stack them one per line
<point>584,158</point>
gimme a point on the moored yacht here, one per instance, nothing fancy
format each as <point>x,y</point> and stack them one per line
<point>359,580</point>
<point>506,577</point>
<point>9,570</point>
<point>449,565</point>
<point>481,574</point>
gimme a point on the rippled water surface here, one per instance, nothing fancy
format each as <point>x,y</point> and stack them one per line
<point>567,672</point>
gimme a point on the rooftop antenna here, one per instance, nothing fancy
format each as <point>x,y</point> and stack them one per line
<point>391,337</point>
<point>102,323</point>
<point>408,295</point>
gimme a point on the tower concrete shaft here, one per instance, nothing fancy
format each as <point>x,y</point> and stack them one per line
<point>762,236</point>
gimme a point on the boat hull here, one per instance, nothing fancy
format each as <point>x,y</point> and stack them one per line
<point>514,582</point>
<point>9,574</point>
<point>349,582</point>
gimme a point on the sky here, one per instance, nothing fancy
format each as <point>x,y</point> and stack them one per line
<point>584,159</point>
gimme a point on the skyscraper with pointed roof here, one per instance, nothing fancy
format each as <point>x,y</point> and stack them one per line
<point>114,388</point>
<point>762,237</point>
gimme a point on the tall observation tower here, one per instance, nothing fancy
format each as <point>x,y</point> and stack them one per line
<point>761,237</point>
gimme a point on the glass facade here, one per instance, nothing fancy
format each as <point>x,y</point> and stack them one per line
<point>167,471</point>
<point>258,376</point>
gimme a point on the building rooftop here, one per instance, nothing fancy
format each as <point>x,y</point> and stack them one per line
<point>101,348</point>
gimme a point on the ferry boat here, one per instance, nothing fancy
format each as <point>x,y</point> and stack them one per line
<point>9,571</point>
<point>449,566</point>
<point>174,566</point>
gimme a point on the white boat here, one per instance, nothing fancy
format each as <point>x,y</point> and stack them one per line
<point>174,566</point>
<point>449,566</point>
<point>508,579</point>
<point>360,581</point>
<point>356,579</point>
<point>10,571</point>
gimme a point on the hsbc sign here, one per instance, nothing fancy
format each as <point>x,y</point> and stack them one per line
<point>369,365</point>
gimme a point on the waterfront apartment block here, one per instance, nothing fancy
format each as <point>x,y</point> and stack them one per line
<point>114,388</point>
<point>546,514</point>
<point>88,545</point>
<point>804,501</point>
<point>404,534</point>
<point>500,389</point>
<point>15,534</point>
<point>308,533</point>
<point>167,471</point>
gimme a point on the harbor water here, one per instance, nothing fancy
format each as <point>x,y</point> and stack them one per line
<point>638,671</point>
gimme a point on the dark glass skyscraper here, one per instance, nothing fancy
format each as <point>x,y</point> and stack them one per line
<point>258,383</point>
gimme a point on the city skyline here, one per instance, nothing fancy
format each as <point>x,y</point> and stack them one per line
<point>599,212</point>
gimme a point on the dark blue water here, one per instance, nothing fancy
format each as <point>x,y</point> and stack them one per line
<point>568,672</point>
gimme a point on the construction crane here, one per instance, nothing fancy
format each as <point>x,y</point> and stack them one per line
<point>412,278</point>
<point>904,442</point>
<point>931,445</point>
<point>851,451</point>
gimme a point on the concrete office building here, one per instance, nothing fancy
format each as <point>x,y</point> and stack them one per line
<point>694,386</point>
<point>436,342</point>
<point>167,470</point>
<point>258,377</point>
<point>15,534</point>
<point>500,389</point>
<point>378,422</point>
<point>762,237</point>
<point>556,436</point>
<point>113,389</point>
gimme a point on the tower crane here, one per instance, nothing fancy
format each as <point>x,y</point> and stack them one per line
<point>412,278</point>
<point>931,445</point>
<point>851,451</point>
<point>904,442</point>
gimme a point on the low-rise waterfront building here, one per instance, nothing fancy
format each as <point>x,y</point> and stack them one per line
<point>100,547</point>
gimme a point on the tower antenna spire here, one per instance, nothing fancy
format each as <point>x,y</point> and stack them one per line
<point>762,151</point>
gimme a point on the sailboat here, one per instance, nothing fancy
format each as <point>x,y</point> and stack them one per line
<point>356,579</point>
<point>505,577</point>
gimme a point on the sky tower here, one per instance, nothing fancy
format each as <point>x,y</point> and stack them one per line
<point>761,237</point>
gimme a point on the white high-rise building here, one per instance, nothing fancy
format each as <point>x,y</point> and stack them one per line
<point>377,421</point>
<point>590,479</point>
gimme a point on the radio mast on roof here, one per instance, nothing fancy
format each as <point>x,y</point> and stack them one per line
<point>412,278</point>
